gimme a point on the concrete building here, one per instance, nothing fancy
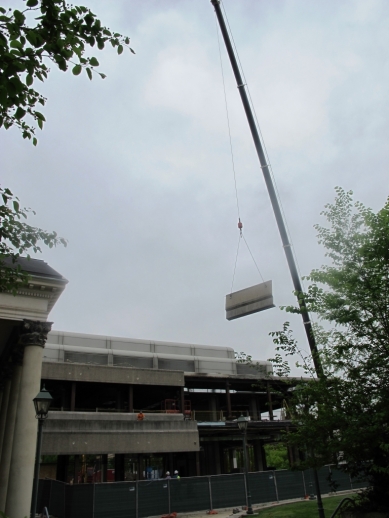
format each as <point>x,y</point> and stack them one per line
<point>189,396</point>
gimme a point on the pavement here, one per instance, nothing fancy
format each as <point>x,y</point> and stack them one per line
<point>228,512</point>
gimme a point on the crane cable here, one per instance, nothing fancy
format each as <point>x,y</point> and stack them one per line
<point>240,224</point>
<point>270,168</point>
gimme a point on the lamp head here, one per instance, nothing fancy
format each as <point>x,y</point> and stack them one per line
<point>242,423</point>
<point>42,403</point>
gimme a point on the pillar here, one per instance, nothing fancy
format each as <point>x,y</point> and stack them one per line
<point>119,398</point>
<point>253,408</point>
<point>182,400</point>
<point>216,450</point>
<point>212,408</point>
<point>228,400</point>
<point>33,338</point>
<point>269,401</point>
<point>10,426</point>
<point>4,408</point>
<point>119,467</point>
<point>130,398</point>
<point>104,467</point>
<point>73,397</point>
<point>75,469</point>
<point>198,469</point>
<point>62,468</point>
<point>258,457</point>
<point>234,460</point>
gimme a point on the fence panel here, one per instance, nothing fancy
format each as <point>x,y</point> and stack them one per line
<point>360,482</point>
<point>262,487</point>
<point>289,484</point>
<point>115,500</point>
<point>189,494</point>
<point>153,497</point>
<point>56,504</point>
<point>228,490</point>
<point>340,481</point>
<point>79,501</point>
<point>44,492</point>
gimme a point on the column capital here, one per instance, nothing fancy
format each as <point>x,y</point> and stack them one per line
<point>34,332</point>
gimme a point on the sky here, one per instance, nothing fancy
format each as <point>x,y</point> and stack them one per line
<point>135,170</point>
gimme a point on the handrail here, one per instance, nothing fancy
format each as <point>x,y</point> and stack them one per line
<point>340,505</point>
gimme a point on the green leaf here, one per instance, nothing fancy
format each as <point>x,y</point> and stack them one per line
<point>16,206</point>
<point>32,3</point>
<point>35,141</point>
<point>89,72</point>
<point>15,44</point>
<point>133,51</point>
<point>29,80</point>
<point>77,70</point>
<point>40,116</point>
<point>103,76</point>
<point>20,113</point>
<point>93,62</point>
<point>120,49</point>
<point>40,123</point>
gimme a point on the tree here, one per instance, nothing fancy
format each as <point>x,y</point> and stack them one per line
<point>345,415</point>
<point>17,238</point>
<point>42,31</point>
<point>45,31</point>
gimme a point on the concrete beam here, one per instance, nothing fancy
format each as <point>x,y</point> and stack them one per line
<point>106,374</point>
<point>69,433</point>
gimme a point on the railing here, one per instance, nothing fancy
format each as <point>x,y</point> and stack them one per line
<point>195,415</point>
<point>212,416</point>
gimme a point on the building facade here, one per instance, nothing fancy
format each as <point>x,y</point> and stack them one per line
<point>189,395</point>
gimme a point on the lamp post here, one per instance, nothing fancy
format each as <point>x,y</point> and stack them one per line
<point>243,423</point>
<point>42,404</point>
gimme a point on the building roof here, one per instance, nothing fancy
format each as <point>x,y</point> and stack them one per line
<point>34,267</point>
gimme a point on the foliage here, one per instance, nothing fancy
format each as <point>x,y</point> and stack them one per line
<point>277,455</point>
<point>45,31</point>
<point>345,414</point>
<point>17,238</point>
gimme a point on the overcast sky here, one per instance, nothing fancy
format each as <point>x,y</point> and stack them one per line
<point>135,170</point>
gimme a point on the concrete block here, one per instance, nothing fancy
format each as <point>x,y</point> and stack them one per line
<point>250,300</point>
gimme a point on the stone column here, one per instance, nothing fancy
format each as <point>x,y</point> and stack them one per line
<point>4,407</point>
<point>33,338</point>
<point>17,357</point>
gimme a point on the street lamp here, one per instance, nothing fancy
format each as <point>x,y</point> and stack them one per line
<point>42,404</point>
<point>243,423</point>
